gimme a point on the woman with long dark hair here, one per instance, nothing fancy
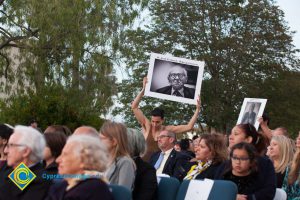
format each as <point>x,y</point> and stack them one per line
<point>247,133</point>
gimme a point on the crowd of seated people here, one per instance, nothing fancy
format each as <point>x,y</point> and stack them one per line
<point>88,160</point>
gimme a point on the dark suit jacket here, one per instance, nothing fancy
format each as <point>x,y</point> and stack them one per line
<point>88,189</point>
<point>145,184</point>
<point>207,173</point>
<point>188,92</point>
<point>249,118</point>
<point>36,190</point>
<point>174,165</point>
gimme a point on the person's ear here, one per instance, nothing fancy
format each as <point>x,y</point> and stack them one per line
<point>82,166</point>
<point>172,140</point>
<point>4,141</point>
<point>249,139</point>
<point>169,79</point>
<point>114,142</point>
<point>27,152</point>
<point>184,80</point>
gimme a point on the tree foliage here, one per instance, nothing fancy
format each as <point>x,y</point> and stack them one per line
<point>243,44</point>
<point>283,106</point>
<point>68,46</point>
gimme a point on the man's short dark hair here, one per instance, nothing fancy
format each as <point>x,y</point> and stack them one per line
<point>5,131</point>
<point>184,144</point>
<point>266,118</point>
<point>31,121</point>
<point>158,112</point>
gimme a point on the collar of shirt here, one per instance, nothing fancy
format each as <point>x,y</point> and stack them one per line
<point>167,153</point>
<point>163,162</point>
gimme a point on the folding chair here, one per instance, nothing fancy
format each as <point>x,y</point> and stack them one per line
<point>167,188</point>
<point>225,190</point>
<point>120,192</point>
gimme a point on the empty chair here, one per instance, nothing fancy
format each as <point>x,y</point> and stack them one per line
<point>120,192</point>
<point>225,190</point>
<point>167,188</point>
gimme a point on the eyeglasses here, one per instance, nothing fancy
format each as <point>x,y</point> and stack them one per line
<point>239,159</point>
<point>9,145</point>
<point>162,136</point>
<point>173,76</point>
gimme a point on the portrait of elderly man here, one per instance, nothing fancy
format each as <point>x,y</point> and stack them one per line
<point>26,145</point>
<point>177,77</point>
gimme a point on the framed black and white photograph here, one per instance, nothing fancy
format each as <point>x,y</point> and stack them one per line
<point>252,109</point>
<point>173,78</point>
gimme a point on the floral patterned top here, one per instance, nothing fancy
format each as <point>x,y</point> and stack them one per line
<point>292,191</point>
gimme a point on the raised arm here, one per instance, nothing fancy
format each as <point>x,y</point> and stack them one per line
<point>135,105</point>
<point>190,125</point>
<point>266,131</point>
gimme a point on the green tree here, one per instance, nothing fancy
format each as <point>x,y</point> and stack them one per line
<point>283,104</point>
<point>243,43</point>
<point>68,46</point>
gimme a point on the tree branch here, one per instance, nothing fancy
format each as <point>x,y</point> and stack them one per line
<point>7,64</point>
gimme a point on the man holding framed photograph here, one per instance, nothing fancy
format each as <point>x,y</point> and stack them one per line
<point>152,128</point>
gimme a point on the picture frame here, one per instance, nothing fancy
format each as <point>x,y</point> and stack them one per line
<point>252,108</point>
<point>165,77</point>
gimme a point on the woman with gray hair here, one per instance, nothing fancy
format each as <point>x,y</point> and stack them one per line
<point>81,153</point>
<point>145,184</point>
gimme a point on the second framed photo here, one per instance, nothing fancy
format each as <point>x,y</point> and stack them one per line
<point>251,109</point>
<point>175,79</point>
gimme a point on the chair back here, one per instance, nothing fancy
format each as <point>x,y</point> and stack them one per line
<point>167,188</point>
<point>120,192</point>
<point>225,190</point>
<point>280,194</point>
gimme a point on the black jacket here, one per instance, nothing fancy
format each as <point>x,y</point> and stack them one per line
<point>88,189</point>
<point>174,166</point>
<point>36,190</point>
<point>188,92</point>
<point>145,184</point>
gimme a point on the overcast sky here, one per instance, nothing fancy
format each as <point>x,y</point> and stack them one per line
<point>292,16</point>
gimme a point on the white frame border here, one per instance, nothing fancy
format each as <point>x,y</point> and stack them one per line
<point>199,64</point>
<point>260,111</point>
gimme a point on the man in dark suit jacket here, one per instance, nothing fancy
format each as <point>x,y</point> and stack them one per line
<point>25,145</point>
<point>250,116</point>
<point>177,78</point>
<point>168,161</point>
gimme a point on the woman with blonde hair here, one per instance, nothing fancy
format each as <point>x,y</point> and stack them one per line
<point>280,151</point>
<point>291,182</point>
<point>121,169</point>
